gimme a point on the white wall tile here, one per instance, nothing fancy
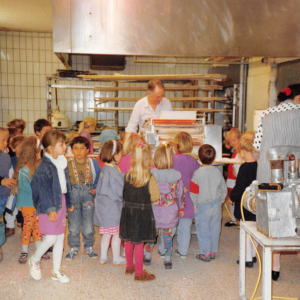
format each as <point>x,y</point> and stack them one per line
<point>29,67</point>
<point>36,68</point>
<point>30,94</point>
<point>49,44</point>
<point>10,79</point>
<point>9,42</point>
<point>28,55</point>
<point>28,42</point>
<point>16,54</point>
<point>42,55</point>
<point>23,55</point>
<point>3,67</point>
<point>35,43</point>
<point>35,55</point>
<point>18,91</point>
<point>30,79</point>
<point>3,42</point>
<point>10,54</point>
<point>17,79</point>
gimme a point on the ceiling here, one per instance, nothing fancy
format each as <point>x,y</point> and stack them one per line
<point>26,15</point>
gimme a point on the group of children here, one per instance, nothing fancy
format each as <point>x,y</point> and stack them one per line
<point>130,195</point>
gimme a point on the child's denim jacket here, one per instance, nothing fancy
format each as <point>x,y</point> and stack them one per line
<point>46,191</point>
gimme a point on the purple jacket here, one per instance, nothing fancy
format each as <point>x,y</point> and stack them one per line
<point>171,198</point>
<point>186,165</point>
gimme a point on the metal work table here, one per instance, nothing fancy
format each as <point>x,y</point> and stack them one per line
<point>268,245</point>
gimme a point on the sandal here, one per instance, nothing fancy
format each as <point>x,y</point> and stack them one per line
<point>23,258</point>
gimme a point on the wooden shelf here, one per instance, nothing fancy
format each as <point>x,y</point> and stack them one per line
<point>204,110</point>
<point>202,99</point>
<point>167,88</point>
<point>187,77</point>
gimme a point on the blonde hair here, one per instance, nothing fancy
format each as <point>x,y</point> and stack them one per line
<point>86,123</point>
<point>140,165</point>
<point>233,131</point>
<point>4,131</point>
<point>163,156</point>
<point>28,155</point>
<point>71,136</point>
<point>130,139</point>
<point>248,135</point>
<point>246,144</point>
<point>183,142</point>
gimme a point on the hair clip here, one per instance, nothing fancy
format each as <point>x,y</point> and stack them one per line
<point>166,144</point>
<point>114,147</point>
<point>287,91</point>
<point>232,129</point>
<point>140,144</point>
<point>134,133</point>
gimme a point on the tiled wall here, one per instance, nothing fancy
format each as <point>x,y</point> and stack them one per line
<point>27,59</point>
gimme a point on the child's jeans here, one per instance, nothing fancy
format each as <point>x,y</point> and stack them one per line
<point>208,223</point>
<point>166,236</point>
<point>82,216</point>
<point>184,235</point>
<point>31,225</point>
<point>2,226</point>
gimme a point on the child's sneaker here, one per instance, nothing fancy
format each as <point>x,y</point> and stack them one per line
<point>35,269</point>
<point>161,255</point>
<point>90,252</point>
<point>60,276</point>
<point>178,253</point>
<point>120,262</point>
<point>203,257</point>
<point>23,258</point>
<point>72,253</point>
<point>212,255</point>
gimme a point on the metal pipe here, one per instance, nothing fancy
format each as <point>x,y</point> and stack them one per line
<point>218,63</point>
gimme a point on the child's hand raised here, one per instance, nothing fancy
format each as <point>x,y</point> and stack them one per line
<point>53,216</point>
<point>10,183</point>
<point>71,209</point>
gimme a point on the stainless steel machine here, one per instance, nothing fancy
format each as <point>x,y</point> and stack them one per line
<point>277,204</point>
<point>159,131</point>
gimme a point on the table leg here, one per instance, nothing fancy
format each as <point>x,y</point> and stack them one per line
<point>267,273</point>
<point>242,263</point>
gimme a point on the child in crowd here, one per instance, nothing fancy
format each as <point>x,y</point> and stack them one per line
<point>208,191</point>
<point>51,194</point>
<point>11,210</point>
<point>171,202</point>
<point>13,132</point>
<point>24,171</point>
<point>84,173</point>
<point>6,183</point>
<point>130,139</point>
<point>86,127</point>
<point>186,163</point>
<point>232,138</point>
<point>246,175</point>
<point>137,225</point>
<point>109,201</point>
<point>40,127</point>
<point>20,124</point>
<point>72,135</point>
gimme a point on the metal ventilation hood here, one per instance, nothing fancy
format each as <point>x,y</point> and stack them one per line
<point>240,28</point>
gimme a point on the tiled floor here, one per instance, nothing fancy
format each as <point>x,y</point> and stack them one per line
<point>189,278</point>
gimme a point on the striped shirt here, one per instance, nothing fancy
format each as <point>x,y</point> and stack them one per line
<point>279,126</point>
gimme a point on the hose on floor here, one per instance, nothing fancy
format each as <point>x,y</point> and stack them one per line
<point>230,215</point>
<point>259,261</point>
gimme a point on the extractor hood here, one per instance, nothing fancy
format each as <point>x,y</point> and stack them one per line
<point>226,28</point>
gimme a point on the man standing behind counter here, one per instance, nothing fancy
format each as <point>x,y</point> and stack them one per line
<point>150,106</point>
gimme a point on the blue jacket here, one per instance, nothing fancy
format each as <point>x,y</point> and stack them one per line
<point>24,196</point>
<point>46,191</point>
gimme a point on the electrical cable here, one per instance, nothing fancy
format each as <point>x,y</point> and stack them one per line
<point>259,260</point>
<point>230,215</point>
